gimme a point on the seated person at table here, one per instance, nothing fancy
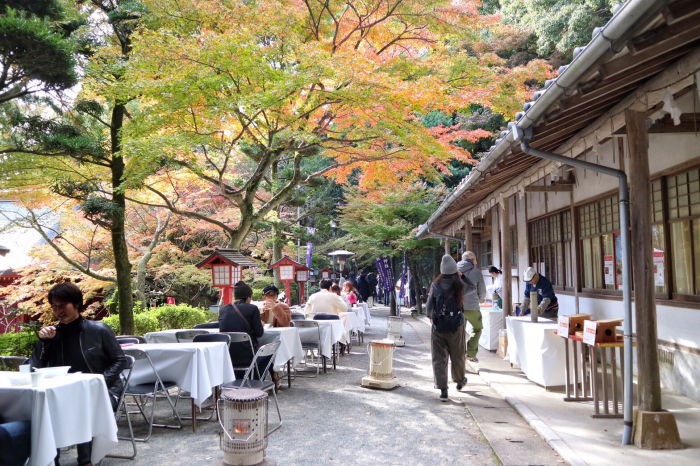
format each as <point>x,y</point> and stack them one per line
<point>349,293</point>
<point>325,302</point>
<point>84,345</point>
<point>336,289</point>
<point>274,312</point>
<point>547,303</point>
<point>15,441</point>
<point>242,317</point>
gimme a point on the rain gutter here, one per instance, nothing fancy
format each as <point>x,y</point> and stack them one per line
<point>585,57</point>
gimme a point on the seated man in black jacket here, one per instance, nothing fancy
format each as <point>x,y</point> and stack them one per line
<point>84,345</point>
<point>242,317</point>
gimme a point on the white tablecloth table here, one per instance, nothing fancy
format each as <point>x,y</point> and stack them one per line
<point>352,322</point>
<point>64,411</point>
<point>168,336</point>
<point>493,322</point>
<point>332,331</point>
<point>363,311</point>
<point>290,345</point>
<point>537,349</point>
<point>194,367</point>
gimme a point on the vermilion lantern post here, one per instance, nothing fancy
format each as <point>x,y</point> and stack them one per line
<point>302,277</point>
<point>287,272</point>
<point>325,274</point>
<point>226,266</point>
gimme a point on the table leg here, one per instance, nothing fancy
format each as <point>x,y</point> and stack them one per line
<point>594,378</point>
<point>194,415</point>
<point>584,381</point>
<point>614,379</point>
<point>604,370</point>
<point>289,374</point>
<point>575,346</point>
<point>567,371</point>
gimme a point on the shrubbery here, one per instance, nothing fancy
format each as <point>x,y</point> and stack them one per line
<point>162,318</point>
<point>17,344</point>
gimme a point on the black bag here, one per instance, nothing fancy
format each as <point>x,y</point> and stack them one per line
<point>447,315</point>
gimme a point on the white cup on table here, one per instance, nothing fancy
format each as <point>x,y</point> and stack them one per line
<point>25,369</point>
<point>37,377</point>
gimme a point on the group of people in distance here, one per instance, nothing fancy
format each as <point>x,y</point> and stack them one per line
<point>454,299</point>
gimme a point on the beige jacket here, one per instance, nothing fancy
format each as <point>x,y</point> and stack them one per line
<point>325,302</point>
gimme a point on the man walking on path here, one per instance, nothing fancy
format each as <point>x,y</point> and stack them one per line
<point>475,292</point>
<point>447,337</point>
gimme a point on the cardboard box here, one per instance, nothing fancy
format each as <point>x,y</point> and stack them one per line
<point>502,344</point>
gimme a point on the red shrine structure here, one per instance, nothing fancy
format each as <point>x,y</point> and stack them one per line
<point>290,271</point>
<point>226,267</point>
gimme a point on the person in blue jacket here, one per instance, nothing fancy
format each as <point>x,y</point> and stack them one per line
<point>547,303</point>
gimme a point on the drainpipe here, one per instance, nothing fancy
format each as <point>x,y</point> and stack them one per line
<point>525,137</point>
<point>440,235</point>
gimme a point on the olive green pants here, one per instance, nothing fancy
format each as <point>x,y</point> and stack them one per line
<point>474,318</point>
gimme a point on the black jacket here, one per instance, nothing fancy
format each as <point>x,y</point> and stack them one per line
<point>250,323</point>
<point>363,287</point>
<point>99,348</point>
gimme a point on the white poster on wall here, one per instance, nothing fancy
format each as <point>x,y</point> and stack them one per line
<point>609,269</point>
<point>658,268</point>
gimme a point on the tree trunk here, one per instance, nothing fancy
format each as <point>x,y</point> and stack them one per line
<point>121,253</point>
<point>649,381</point>
<point>417,287</point>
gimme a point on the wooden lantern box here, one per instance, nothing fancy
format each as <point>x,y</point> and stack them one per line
<point>600,331</point>
<point>569,325</point>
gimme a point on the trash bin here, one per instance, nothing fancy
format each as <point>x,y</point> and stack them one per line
<point>502,343</point>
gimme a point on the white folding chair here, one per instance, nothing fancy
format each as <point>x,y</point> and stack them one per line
<point>269,350</point>
<point>142,392</point>
<point>310,346</point>
<point>122,403</point>
<point>187,336</point>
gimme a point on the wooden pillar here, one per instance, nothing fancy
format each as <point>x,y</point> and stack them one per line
<point>447,246</point>
<point>467,236</point>
<point>504,217</point>
<point>575,254</point>
<point>649,381</point>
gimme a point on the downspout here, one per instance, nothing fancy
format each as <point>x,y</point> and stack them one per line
<point>440,235</point>
<point>525,137</point>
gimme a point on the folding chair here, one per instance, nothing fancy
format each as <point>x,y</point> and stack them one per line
<point>240,343</point>
<point>141,339</point>
<point>310,346</point>
<point>334,349</point>
<point>297,316</point>
<point>186,336</point>
<point>269,350</point>
<point>150,390</point>
<point>122,403</point>
<point>124,341</point>
<point>12,363</point>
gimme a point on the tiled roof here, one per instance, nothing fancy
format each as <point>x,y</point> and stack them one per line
<point>233,256</point>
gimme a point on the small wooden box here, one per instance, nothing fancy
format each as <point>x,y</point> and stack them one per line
<point>502,346</point>
<point>574,323</point>
<point>604,331</point>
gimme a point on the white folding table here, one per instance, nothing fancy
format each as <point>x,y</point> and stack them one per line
<point>64,411</point>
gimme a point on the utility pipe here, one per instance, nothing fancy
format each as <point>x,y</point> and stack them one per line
<point>440,235</point>
<point>525,137</point>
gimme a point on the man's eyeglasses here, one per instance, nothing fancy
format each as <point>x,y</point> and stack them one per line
<point>59,306</point>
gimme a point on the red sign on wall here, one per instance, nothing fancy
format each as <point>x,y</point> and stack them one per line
<point>171,300</point>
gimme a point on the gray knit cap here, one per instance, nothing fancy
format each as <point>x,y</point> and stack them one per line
<point>448,266</point>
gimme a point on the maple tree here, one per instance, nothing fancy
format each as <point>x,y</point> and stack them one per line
<point>240,100</point>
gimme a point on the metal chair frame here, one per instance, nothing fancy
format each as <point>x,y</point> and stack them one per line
<point>309,349</point>
<point>123,341</point>
<point>138,355</point>
<point>188,335</point>
<point>268,350</point>
<point>12,362</point>
<point>242,337</point>
<point>122,403</point>
<point>142,340</point>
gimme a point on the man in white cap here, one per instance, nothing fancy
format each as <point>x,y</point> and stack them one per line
<point>547,303</point>
<point>447,338</point>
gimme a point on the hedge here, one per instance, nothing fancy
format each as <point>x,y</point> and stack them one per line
<point>17,344</point>
<point>163,318</point>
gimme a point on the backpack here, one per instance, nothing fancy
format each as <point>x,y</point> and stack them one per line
<point>447,315</point>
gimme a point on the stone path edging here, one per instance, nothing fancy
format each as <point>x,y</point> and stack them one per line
<point>549,435</point>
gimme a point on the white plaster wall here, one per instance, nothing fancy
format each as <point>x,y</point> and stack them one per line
<point>591,184</point>
<point>668,150</point>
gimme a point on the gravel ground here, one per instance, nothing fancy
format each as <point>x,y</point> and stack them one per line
<point>331,419</point>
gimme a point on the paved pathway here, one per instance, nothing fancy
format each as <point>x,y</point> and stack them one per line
<point>332,420</point>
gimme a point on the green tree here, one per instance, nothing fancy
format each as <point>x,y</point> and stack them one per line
<point>36,53</point>
<point>558,25</point>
